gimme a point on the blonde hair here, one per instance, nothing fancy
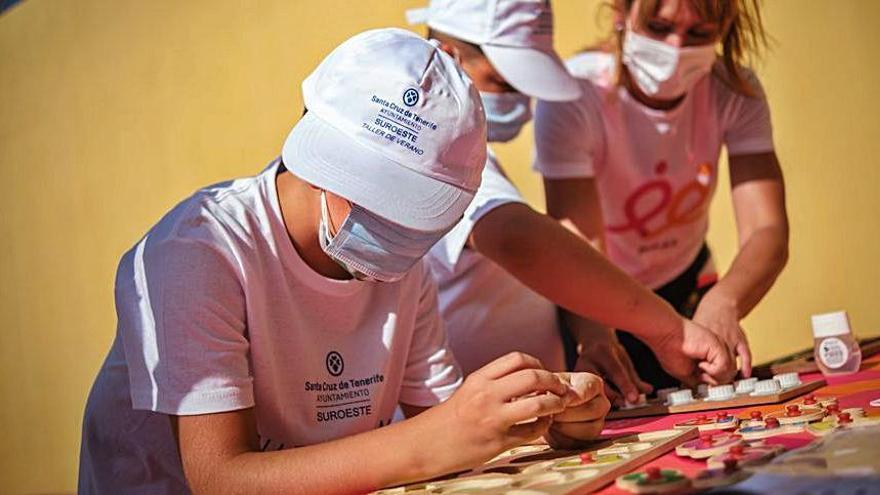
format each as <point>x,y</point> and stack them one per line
<point>743,37</point>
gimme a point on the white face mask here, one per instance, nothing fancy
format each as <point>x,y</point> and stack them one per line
<point>506,114</point>
<point>371,248</point>
<point>661,70</point>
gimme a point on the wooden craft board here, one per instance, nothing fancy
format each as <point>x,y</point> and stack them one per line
<point>543,470</point>
<point>656,408</point>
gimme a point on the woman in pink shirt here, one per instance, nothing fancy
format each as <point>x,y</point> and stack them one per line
<point>633,164</point>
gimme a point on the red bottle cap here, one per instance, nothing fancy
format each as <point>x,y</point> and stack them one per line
<point>706,438</point>
<point>587,458</point>
<point>653,473</point>
<point>721,415</point>
<point>756,415</point>
<point>792,410</point>
<point>833,407</point>
<point>771,423</point>
<point>810,399</point>
<point>844,418</point>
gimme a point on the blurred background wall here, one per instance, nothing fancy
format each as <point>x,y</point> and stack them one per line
<point>112,111</point>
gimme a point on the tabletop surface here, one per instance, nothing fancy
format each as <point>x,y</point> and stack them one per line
<point>855,390</point>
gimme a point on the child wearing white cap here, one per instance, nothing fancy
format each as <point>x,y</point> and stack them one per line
<point>634,162</point>
<point>269,326</point>
<point>503,269</point>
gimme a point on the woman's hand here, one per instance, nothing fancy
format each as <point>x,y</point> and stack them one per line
<point>720,315</point>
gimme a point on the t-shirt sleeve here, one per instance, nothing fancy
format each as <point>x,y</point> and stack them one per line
<point>746,119</point>
<point>432,375</point>
<point>495,190</point>
<point>567,137</point>
<point>182,320</point>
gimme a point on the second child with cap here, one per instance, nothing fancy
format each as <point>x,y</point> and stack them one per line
<point>503,269</point>
<point>270,326</point>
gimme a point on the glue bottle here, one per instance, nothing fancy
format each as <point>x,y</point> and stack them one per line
<point>837,352</point>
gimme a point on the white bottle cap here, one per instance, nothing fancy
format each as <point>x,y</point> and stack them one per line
<point>830,324</point>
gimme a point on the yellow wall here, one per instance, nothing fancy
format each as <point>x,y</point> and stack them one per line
<point>111,111</point>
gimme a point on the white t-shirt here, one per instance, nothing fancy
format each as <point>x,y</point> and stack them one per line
<point>656,171</point>
<point>217,312</point>
<point>487,311</point>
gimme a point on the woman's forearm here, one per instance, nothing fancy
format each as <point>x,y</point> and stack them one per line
<point>754,269</point>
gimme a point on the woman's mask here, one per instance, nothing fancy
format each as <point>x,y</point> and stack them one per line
<point>663,71</point>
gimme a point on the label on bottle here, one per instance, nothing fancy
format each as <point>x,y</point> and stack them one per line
<point>833,352</point>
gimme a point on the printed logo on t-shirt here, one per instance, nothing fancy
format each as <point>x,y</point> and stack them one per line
<point>655,207</point>
<point>339,397</point>
<point>335,364</point>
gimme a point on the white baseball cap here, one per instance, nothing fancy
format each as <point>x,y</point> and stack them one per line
<point>516,36</point>
<point>393,125</point>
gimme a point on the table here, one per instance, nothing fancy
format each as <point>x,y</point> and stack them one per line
<point>855,390</point>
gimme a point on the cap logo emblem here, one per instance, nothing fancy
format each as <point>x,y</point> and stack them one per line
<point>410,97</point>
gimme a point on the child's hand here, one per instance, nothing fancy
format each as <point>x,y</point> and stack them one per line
<point>602,354</point>
<point>495,409</point>
<point>693,354</point>
<point>584,417</point>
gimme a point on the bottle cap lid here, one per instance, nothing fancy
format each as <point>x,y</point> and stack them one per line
<point>830,324</point>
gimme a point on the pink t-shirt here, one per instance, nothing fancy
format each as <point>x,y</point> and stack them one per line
<point>656,171</point>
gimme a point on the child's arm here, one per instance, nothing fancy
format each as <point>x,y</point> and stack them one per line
<point>220,452</point>
<point>762,226</point>
<point>565,269</point>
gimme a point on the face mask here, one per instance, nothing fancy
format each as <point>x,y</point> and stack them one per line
<point>506,113</point>
<point>661,70</point>
<point>371,248</point>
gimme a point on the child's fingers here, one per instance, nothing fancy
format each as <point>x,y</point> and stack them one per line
<point>595,408</point>
<point>584,385</point>
<point>706,376</point>
<point>559,441</point>
<point>536,406</point>
<point>529,381</point>
<point>526,432</point>
<point>585,430</point>
<point>617,373</point>
<point>643,386</point>
<point>507,364</point>
<point>718,365</point>
<point>613,395</point>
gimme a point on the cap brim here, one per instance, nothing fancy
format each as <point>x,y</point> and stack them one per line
<point>327,158</point>
<point>534,72</point>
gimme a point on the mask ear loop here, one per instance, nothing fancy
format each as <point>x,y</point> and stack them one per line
<point>324,223</point>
